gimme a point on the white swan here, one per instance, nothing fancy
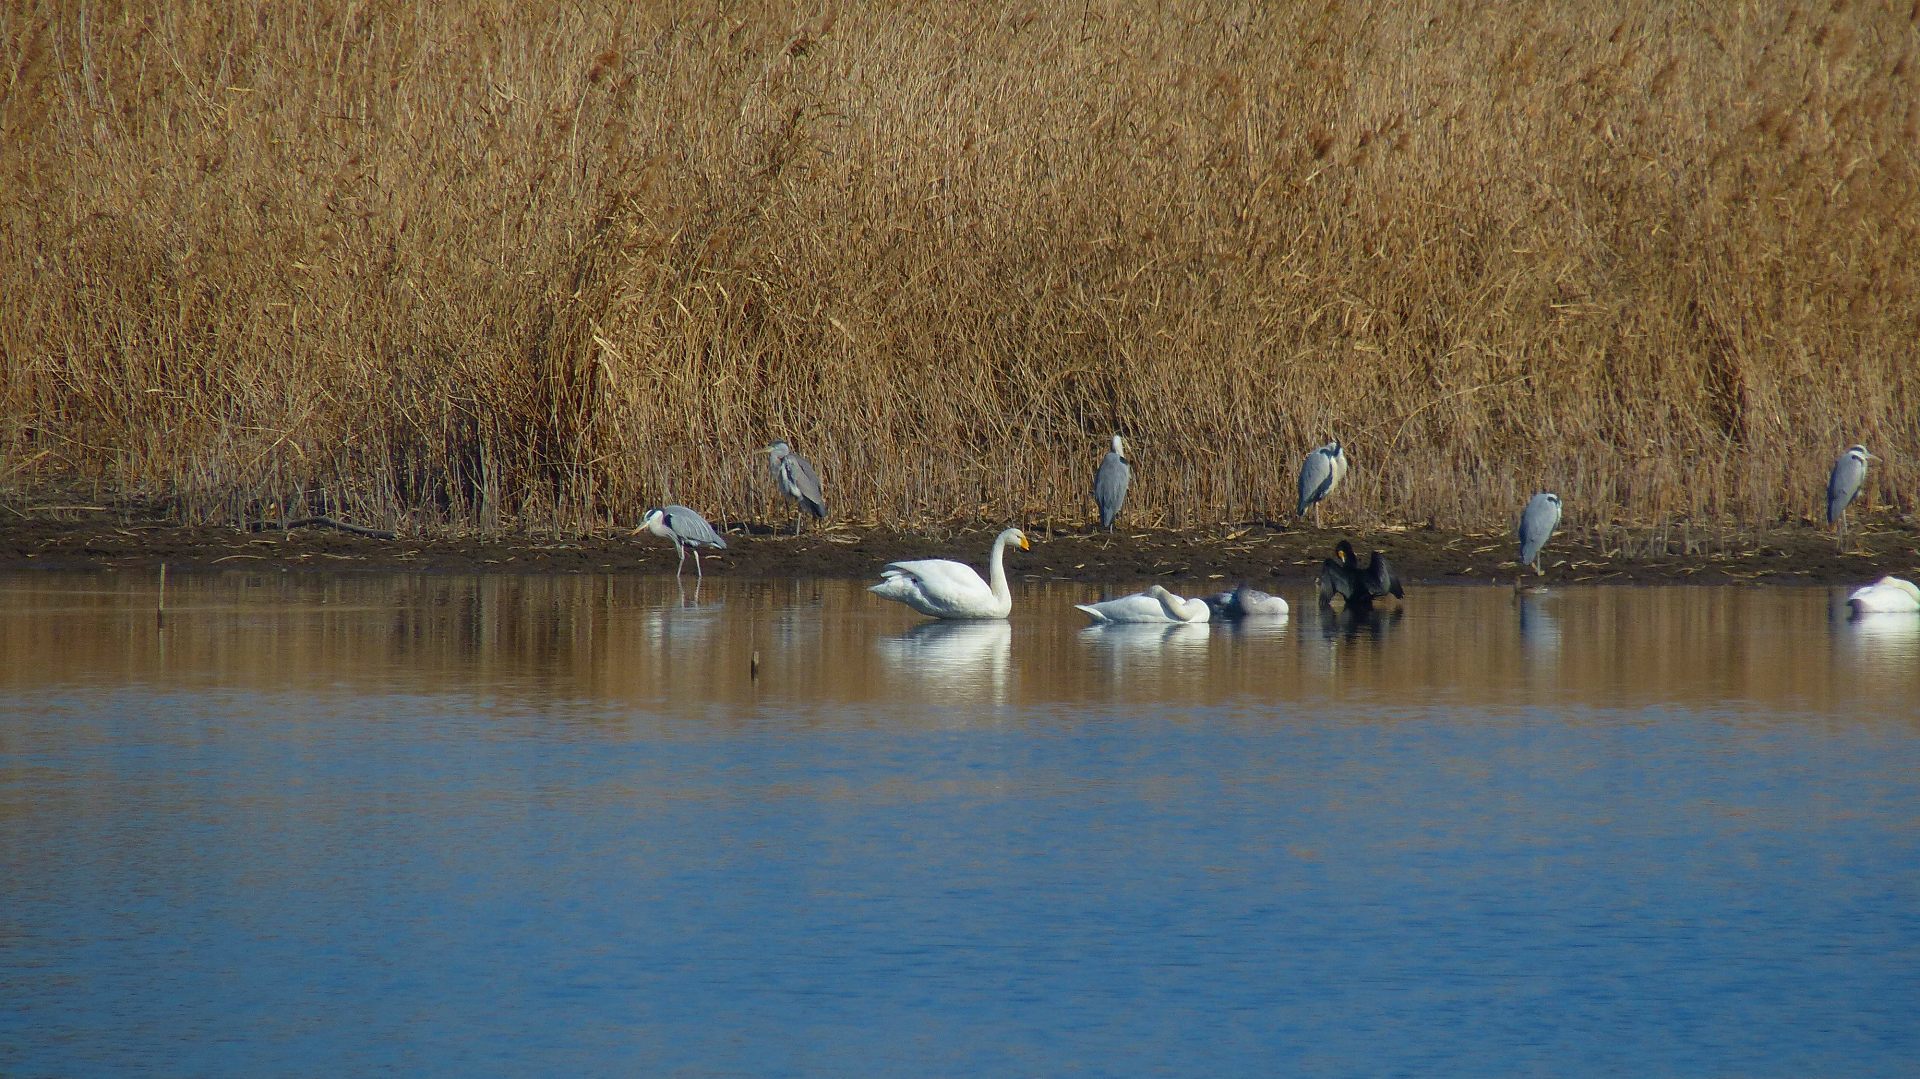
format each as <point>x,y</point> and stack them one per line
<point>944,588</point>
<point>1884,596</point>
<point>1156,604</point>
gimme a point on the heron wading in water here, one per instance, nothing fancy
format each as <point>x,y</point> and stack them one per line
<point>797,480</point>
<point>687,530</point>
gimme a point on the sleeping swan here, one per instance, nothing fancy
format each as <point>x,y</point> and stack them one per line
<point>1246,601</point>
<point>1156,604</point>
<point>944,588</point>
<point>1886,595</point>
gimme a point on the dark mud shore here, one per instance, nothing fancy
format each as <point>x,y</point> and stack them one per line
<point>74,537</point>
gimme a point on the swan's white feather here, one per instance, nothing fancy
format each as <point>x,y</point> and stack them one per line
<point>1156,604</point>
<point>943,588</point>
<point>1888,595</point>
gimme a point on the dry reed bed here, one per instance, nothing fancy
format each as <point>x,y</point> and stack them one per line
<point>496,265</point>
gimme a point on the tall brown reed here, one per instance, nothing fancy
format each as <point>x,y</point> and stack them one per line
<point>486,264</point>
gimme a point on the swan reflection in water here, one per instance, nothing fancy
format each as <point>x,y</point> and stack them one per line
<point>1143,646</point>
<point>1260,627</point>
<point>1890,636</point>
<point>954,656</point>
<point>1881,619</point>
<point>1148,637</point>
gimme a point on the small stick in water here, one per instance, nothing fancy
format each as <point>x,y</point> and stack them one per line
<point>160,612</point>
<point>753,666</point>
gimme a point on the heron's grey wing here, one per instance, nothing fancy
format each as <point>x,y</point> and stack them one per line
<point>1529,532</point>
<point>805,480</point>
<point>1110,486</point>
<point>1843,484</point>
<point>1316,475</point>
<point>693,528</point>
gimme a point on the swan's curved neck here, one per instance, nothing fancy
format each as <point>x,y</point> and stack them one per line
<point>997,570</point>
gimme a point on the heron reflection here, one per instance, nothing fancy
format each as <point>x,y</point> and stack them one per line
<point>683,621</point>
<point>1539,627</point>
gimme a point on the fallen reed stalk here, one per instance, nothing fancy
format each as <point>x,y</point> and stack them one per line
<point>486,265</point>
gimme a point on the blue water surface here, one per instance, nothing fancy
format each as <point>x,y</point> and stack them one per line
<point>207,880</point>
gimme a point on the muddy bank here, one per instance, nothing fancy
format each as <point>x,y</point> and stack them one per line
<point>75,537</point>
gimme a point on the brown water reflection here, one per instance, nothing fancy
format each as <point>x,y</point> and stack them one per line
<point>652,642</point>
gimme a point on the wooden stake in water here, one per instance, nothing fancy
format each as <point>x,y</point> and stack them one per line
<point>160,612</point>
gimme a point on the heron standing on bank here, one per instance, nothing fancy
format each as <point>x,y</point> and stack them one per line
<point>1537,523</point>
<point>1843,486</point>
<point>686,529</point>
<point>1110,483</point>
<point>1320,474</point>
<point>797,480</point>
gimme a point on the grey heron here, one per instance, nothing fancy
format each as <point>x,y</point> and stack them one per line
<point>797,480</point>
<point>1537,523</point>
<point>1843,486</point>
<point>1110,483</point>
<point>1321,473</point>
<point>686,529</point>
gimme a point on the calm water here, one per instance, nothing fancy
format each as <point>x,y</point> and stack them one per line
<point>525,825</point>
